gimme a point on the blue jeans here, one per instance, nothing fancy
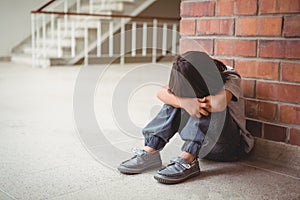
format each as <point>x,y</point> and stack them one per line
<point>170,120</point>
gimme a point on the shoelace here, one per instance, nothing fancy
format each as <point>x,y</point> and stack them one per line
<point>138,152</point>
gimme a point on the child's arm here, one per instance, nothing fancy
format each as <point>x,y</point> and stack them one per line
<point>168,98</point>
<point>191,105</point>
<point>216,103</point>
<point>196,107</point>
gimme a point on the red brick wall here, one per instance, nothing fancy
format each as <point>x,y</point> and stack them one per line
<point>261,40</point>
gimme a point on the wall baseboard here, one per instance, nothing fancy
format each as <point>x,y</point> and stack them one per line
<point>279,156</point>
<point>5,58</point>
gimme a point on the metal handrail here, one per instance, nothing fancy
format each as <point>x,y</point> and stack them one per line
<point>44,6</point>
<point>150,18</point>
<point>40,11</point>
<point>52,36</point>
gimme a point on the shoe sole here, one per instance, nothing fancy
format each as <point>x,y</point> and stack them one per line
<point>138,171</point>
<point>170,180</point>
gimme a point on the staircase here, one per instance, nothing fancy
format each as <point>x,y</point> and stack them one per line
<point>66,32</point>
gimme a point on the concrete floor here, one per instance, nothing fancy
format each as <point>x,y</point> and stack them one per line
<point>44,157</point>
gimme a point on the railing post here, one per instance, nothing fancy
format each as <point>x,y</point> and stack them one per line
<point>111,39</point>
<point>174,38</point>
<point>99,38</point>
<point>65,25</point>
<point>73,41</point>
<point>122,47</point>
<point>37,40</point>
<point>78,6</point>
<point>91,6</point>
<point>65,17</point>
<point>144,48</point>
<point>133,39</point>
<point>44,34</point>
<point>33,39</point>
<point>52,28</point>
<point>59,50</point>
<point>164,40</point>
<point>86,62</point>
<point>154,41</point>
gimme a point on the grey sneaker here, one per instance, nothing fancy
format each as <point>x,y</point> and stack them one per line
<point>178,171</point>
<point>140,162</point>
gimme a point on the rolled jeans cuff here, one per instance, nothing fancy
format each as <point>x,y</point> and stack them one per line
<point>155,142</point>
<point>192,148</point>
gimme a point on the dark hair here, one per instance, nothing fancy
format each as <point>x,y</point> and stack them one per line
<point>195,74</point>
<point>222,69</point>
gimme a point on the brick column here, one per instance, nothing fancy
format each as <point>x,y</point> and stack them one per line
<point>261,40</point>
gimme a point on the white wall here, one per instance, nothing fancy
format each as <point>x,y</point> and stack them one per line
<point>15,22</point>
<point>15,19</point>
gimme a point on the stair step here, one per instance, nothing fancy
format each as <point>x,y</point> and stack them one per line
<point>65,42</point>
<point>79,33</point>
<point>27,60</point>
<point>123,1</point>
<point>101,12</point>
<point>98,7</point>
<point>126,7</point>
<point>50,52</point>
<point>80,24</point>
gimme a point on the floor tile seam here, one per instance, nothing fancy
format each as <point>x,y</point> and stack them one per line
<point>7,194</point>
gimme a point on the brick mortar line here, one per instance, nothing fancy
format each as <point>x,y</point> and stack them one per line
<point>237,17</point>
<point>198,1</point>
<point>257,43</point>
<point>234,17</point>
<point>262,130</point>
<point>287,136</point>
<point>233,37</point>
<point>285,125</point>
<point>291,61</point>
<point>277,112</point>
<point>270,81</point>
<point>296,13</point>
<point>206,17</point>
<point>257,7</point>
<point>270,101</point>
<point>280,72</point>
<point>282,26</point>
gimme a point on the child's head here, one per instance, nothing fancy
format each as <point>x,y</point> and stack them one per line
<point>195,74</point>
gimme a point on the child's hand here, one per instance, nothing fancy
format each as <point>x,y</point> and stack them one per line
<point>205,103</point>
<point>215,103</point>
<point>191,105</point>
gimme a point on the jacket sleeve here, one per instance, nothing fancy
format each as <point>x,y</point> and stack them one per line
<point>233,85</point>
